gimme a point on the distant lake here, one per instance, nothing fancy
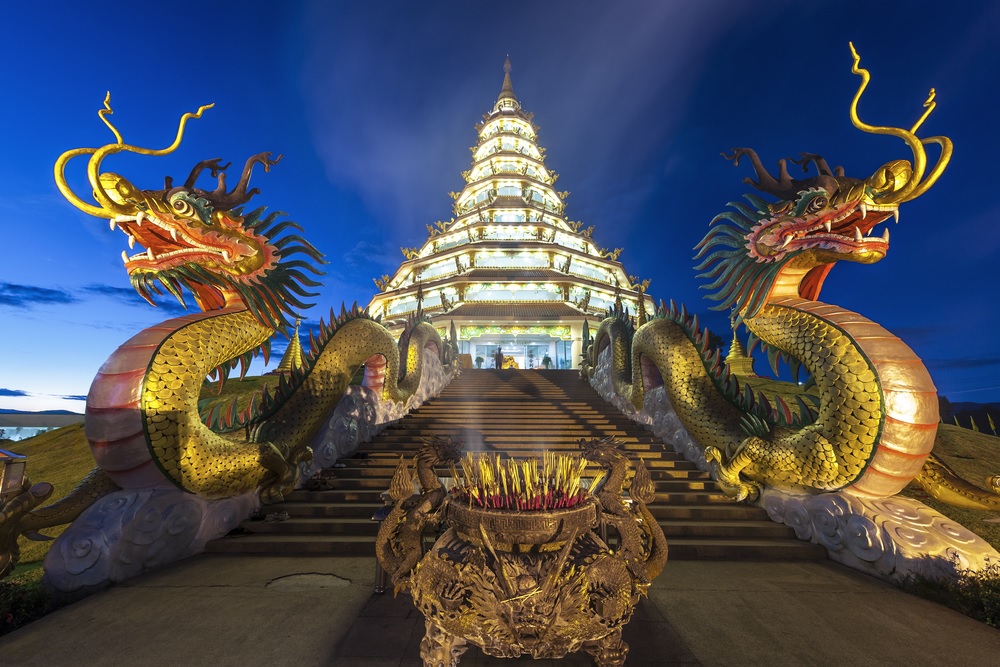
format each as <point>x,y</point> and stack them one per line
<point>16,433</point>
<point>22,425</point>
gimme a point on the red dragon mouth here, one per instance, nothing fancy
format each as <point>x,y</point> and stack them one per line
<point>169,244</point>
<point>843,231</point>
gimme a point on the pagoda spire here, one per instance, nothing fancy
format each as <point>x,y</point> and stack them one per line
<point>292,359</point>
<point>507,98</point>
<point>740,363</point>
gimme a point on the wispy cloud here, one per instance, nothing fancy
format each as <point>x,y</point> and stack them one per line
<point>406,119</point>
<point>75,397</point>
<point>12,392</point>
<point>367,254</point>
<point>121,293</point>
<point>128,295</point>
<point>28,296</point>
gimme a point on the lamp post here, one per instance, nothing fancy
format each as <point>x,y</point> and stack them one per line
<point>11,474</point>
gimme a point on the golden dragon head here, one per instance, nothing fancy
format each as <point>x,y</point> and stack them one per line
<point>197,239</point>
<point>787,247</point>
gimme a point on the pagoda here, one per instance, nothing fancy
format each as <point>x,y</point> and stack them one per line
<point>509,270</point>
<point>292,358</point>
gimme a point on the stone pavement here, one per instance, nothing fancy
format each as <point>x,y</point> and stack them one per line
<point>220,610</point>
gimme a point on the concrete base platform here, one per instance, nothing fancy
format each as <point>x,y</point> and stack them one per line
<point>221,610</point>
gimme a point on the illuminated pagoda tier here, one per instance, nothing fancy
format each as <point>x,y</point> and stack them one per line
<point>509,269</point>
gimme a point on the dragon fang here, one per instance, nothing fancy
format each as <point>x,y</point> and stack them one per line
<point>869,419</point>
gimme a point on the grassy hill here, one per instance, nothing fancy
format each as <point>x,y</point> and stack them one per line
<point>61,458</point>
<point>974,456</point>
<point>241,390</point>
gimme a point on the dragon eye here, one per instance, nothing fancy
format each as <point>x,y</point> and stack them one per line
<point>183,207</point>
<point>190,207</point>
<point>816,203</point>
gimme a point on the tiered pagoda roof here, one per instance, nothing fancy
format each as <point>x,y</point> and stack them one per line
<point>508,253</point>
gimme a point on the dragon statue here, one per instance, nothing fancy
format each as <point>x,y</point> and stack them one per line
<point>522,579</point>
<point>868,416</point>
<point>246,274</point>
<point>399,543</point>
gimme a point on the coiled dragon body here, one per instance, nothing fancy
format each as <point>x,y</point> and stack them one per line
<point>869,418</point>
<point>143,420</point>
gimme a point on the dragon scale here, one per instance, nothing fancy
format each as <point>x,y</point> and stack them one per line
<point>246,274</point>
<point>142,417</point>
<point>876,399</point>
<point>160,372</point>
<point>868,418</point>
<point>878,410</point>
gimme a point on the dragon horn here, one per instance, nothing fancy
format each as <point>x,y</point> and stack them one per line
<point>779,187</point>
<point>240,195</point>
<point>805,159</point>
<point>913,186</point>
<point>109,204</point>
<point>217,170</point>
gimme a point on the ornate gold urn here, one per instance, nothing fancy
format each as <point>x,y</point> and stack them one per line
<point>520,567</point>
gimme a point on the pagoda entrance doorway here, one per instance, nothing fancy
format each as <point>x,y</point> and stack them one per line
<point>527,344</point>
<point>528,352</point>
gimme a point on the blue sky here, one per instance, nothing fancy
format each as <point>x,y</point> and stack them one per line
<point>373,105</point>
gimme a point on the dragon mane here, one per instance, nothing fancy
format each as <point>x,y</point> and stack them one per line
<point>271,296</point>
<point>741,281</point>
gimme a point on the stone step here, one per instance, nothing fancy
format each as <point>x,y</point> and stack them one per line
<point>513,443</point>
<point>564,437</point>
<point>517,414</point>
<point>680,549</point>
<point>361,526</point>
<point>295,545</point>
<point>469,425</point>
<point>385,473</point>
<point>649,456</point>
<point>386,463</point>
<point>664,486</point>
<point>374,495</point>
<point>306,508</point>
<point>364,511</point>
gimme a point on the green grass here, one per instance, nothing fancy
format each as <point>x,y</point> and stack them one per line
<point>23,599</point>
<point>241,390</point>
<point>974,456</point>
<point>62,458</point>
<point>975,594</point>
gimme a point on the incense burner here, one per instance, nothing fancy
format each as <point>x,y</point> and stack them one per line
<point>516,581</point>
<point>512,530</point>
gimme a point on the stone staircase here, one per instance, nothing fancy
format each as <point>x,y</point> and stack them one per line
<point>518,413</point>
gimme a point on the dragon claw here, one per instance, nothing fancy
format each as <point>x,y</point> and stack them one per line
<point>729,480</point>
<point>11,514</point>
<point>284,468</point>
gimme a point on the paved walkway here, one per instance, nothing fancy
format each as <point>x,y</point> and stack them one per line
<point>219,610</point>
